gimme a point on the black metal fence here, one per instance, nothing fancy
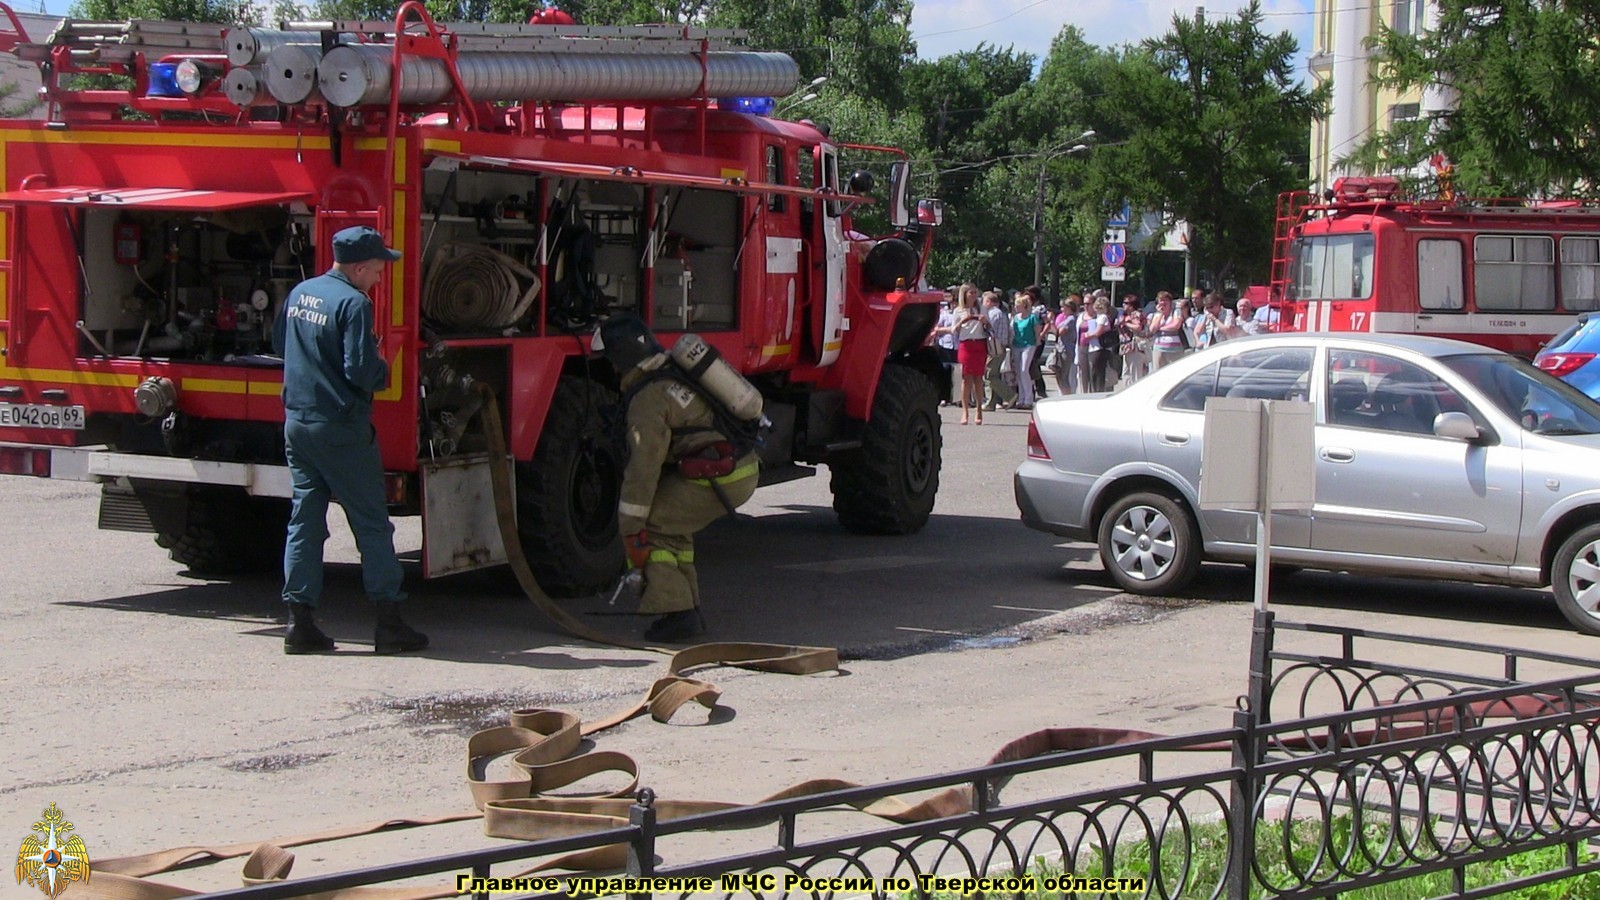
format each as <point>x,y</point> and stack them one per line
<point>1355,759</point>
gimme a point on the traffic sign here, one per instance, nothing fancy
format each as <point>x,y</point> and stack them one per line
<point>1113,273</point>
<point>1114,254</point>
<point>1115,236</point>
<point>1121,218</point>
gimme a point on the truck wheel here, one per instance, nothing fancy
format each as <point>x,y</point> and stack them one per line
<point>225,531</point>
<point>567,495</point>
<point>888,486</point>
<point>1575,579</point>
<point>1150,544</point>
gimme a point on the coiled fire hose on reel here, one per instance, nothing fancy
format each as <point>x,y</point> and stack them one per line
<point>477,288</point>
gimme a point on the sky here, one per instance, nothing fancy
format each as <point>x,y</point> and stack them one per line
<point>941,27</point>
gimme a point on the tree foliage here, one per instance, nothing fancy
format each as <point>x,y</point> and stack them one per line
<point>1209,124</point>
<point>954,98</point>
<point>227,12</point>
<point>1525,78</point>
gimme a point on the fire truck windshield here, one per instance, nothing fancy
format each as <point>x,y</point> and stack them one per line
<point>1333,267</point>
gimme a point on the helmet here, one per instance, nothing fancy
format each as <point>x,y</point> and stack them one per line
<point>625,340</point>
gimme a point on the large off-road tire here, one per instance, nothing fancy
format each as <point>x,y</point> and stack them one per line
<point>888,486</point>
<point>1150,543</point>
<point>225,531</point>
<point>1575,579</point>
<point>567,495</point>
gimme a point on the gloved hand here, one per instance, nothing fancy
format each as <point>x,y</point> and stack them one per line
<point>638,548</point>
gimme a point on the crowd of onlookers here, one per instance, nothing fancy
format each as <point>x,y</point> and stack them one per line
<point>996,344</point>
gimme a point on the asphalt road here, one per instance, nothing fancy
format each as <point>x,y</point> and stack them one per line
<point>158,710</point>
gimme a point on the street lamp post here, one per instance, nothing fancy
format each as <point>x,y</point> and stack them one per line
<point>809,95</point>
<point>1079,147</point>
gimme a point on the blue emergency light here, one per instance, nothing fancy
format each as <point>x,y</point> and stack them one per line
<point>756,106</point>
<point>163,80</point>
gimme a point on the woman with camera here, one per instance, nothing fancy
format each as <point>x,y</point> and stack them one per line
<point>1213,325</point>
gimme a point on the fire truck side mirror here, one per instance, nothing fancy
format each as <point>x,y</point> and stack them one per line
<point>900,194</point>
<point>930,213</point>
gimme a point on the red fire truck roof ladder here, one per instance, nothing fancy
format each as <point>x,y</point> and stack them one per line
<point>1291,208</point>
<point>12,297</point>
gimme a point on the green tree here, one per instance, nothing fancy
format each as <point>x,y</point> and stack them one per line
<point>1048,119</point>
<point>862,46</point>
<point>1525,75</point>
<point>1208,123</point>
<point>955,97</point>
<point>227,12</point>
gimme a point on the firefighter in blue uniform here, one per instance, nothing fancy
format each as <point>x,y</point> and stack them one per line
<point>331,367</point>
<point>663,503</point>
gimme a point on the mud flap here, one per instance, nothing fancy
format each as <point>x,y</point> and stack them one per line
<point>460,527</point>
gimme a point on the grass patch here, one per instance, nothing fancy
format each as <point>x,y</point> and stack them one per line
<point>1298,853</point>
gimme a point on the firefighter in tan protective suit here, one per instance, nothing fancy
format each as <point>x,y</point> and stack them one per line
<point>682,475</point>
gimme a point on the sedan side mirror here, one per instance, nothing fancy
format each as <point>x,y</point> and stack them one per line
<point>1457,425</point>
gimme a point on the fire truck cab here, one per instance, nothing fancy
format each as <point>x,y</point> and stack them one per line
<point>536,178</point>
<point>1506,274</point>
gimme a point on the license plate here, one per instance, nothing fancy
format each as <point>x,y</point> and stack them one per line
<point>38,415</point>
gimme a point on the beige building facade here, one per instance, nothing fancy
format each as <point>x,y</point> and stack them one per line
<point>1360,108</point>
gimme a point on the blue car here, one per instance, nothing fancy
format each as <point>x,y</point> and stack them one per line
<point>1572,355</point>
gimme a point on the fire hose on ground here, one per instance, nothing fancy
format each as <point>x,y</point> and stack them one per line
<point>544,746</point>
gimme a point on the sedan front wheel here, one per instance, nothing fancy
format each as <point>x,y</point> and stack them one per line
<point>1150,544</point>
<point>1575,578</point>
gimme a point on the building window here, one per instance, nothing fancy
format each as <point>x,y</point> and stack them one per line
<point>1580,273</point>
<point>1514,273</point>
<point>1439,275</point>
<point>1404,112</point>
<point>1408,16</point>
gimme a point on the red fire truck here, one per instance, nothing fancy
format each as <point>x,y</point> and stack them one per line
<point>1507,274</point>
<point>536,178</point>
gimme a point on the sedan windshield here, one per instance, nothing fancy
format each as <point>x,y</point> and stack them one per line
<point>1540,403</point>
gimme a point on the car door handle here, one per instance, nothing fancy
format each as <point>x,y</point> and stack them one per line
<point>1338,454</point>
<point>1178,438</point>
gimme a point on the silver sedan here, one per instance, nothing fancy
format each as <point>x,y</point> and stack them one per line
<point>1434,458</point>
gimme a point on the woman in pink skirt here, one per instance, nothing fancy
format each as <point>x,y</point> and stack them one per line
<point>972,351</point>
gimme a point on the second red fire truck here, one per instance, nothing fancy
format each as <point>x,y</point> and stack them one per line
<point>1507,274</point>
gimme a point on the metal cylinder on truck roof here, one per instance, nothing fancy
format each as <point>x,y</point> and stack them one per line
<point>292,72</point>
<point>359,75</point>
<point>248,46</point>
<point>247,86</point>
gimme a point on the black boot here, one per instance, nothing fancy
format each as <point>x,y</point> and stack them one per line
<point>303,635</point>
<point>393,635</point>
<point>676,626</point>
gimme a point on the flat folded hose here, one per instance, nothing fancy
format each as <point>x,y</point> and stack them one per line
<point>477,288</point>
<point>546,750</point>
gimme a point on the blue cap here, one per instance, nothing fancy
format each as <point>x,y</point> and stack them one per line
<point>359,244</point>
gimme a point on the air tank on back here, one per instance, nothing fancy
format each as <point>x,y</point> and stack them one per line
<point>707,367</point>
